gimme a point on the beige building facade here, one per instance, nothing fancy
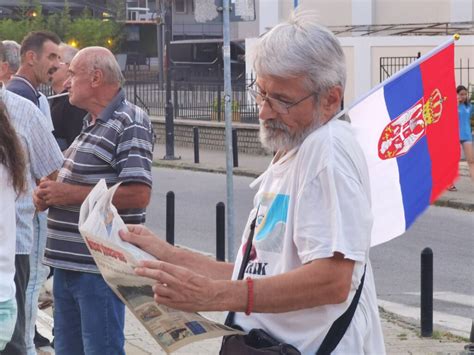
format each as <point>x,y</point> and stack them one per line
<point>364,48</point>
<point>361,12</point>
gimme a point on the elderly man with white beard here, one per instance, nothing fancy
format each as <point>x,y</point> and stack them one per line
<point>305,249</point>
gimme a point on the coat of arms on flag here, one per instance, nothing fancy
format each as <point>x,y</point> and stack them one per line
<point>403,132</point>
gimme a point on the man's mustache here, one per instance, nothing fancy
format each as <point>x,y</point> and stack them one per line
<point>52,70</point>
<point>274,124</point>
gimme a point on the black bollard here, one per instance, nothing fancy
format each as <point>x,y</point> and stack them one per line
<point>220,231</point>
<point>235,152</point>
<point>426,303</point>
<point>196,145</point>
<point>470,347</point>
<point>170,217</point>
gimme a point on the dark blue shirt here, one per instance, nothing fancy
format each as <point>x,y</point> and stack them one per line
<point>23,87</point>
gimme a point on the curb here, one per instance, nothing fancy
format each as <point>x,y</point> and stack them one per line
<point>194,167</point>
<point>465,206</point>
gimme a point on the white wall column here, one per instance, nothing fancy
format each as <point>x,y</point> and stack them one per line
<point>363,67</point>
<point>462,10</point>
<point>363,12</point>
<point>269,15</point>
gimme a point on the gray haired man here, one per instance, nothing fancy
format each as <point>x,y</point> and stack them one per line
<point>311,215</point>
<point>12,59</point>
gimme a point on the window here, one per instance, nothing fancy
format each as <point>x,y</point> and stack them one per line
<point>180,6</point>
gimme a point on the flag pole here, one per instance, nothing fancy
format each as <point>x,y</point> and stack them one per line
<point>424,57</point>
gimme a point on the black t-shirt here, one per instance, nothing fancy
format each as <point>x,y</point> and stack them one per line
<point>67,121</point>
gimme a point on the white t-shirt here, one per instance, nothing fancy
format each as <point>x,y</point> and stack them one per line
<point>313,202</point>
<point>45,109</point>
<point>7,236</point>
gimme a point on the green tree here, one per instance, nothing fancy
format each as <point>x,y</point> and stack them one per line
<point>31,19</point>
<point>86,31</point>
<point>59,22</point>
<point>81,32</point>
<point>13,30</point>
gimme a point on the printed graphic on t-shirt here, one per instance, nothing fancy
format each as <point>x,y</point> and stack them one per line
<point>271,222</point>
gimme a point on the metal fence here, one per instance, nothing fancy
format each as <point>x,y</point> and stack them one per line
<point>465,74</point>
<point>391,65</point>
<point>191,100</point>
<point>463,70</point>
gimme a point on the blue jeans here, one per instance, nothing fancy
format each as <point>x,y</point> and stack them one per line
<point>16,346</point>
<point>88,317</point>
<point>38,275</point>
<point>8,312</point>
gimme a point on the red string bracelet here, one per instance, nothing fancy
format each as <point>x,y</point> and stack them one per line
<point>249,296</point>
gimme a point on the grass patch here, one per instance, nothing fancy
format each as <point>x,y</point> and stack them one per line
<point>444,336</point>
<point>414,328</point>
<point>402,336</point>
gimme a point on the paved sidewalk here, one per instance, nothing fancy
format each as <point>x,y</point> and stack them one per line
<point>254,165</point>
<point>401,337</point>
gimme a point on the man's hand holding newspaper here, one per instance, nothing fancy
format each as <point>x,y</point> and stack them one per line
<point>99,224</point>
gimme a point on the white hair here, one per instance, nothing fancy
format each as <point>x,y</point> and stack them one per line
<point>68,52</point>
<point>301,47</point>
<point>12,54</point>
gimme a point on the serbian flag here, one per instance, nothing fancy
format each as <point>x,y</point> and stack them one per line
<point>408,129</point>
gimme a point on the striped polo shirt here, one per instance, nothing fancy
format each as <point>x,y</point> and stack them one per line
<point>117,148</point>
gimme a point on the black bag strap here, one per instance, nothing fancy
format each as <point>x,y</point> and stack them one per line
<point>245,260</point>
<point>340,325</point>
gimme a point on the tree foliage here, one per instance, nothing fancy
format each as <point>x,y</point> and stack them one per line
<point>88,31</point>
<point>82,32</point>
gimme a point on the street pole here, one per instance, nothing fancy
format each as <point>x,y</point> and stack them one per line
<point>159,42</point>
<point>169,119</point>
<point>228,132</point>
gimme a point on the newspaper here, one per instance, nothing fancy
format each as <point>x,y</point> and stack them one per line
<point>99,224</point>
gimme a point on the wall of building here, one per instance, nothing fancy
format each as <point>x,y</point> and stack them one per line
<point>363,58</point>
<point>331,13</point>
<point>462,10</point>
<point>410,11</point>
<point>186,26</point>
<point>361,12</point>
<point>368,50</point>
<point>350,84</point>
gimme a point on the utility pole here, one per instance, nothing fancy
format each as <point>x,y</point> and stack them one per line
<point>228,130</point>
<point>169,116</point>
<point>159,41</point>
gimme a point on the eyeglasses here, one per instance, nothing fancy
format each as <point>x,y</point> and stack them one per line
<point>275,104</point>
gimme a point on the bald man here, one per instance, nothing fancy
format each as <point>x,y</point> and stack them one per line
<point>115,145</point>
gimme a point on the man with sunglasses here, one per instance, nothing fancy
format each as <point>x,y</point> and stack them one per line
<point>308,264</point>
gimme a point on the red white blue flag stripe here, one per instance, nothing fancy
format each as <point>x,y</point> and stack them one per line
<point>408,129</point>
